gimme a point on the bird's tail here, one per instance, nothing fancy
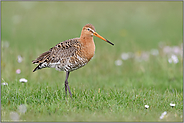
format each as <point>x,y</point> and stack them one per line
<point>41,60</point>
<point>38,67</point>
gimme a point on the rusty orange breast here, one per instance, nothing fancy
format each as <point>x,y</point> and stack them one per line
<point>88,47</point>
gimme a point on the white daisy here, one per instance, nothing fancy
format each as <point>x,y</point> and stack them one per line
<point>23,80</point>
<point>22,108</point>
<point>118,62</point>
<point>172,105</point>
<point>19,59</point>
<point>4,83</point>
<point>173,59</point>
<point>124,56</point>
<point>163,114</point>
<point>14,115</point>
<point>146,106</point>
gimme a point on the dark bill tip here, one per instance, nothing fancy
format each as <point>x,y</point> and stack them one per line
<point>109,42</point>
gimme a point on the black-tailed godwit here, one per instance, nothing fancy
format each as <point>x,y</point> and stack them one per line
<point>71,54</point>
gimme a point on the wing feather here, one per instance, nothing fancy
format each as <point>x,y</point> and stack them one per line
<point>61,51</point>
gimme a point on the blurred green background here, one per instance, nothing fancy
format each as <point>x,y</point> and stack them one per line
<point>130,25</point>
<point>32,27</point>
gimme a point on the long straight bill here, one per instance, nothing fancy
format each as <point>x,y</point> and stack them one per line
<point>99,36</point>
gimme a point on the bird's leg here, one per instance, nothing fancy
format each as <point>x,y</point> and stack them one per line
<point>66,84</point>
<point>66,87</point>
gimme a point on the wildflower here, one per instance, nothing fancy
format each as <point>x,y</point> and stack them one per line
<point>167,49</point>
<point>118,62</point>
<point>18,71</point>
<point>4,83</point>
<point>14,115</point>
<point>19,59</point>
<point>146,106</point>
<point>173,59</point>
<point>163,114</point>
<point>176,50</point>
<point>172,105</point>
<point>22,108</point>
<point>172,50</point>
<point>145,56</point>
<point>124,56</point>
<point>23,80</point>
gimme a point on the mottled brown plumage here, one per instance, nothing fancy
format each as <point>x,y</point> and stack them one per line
<point>71,54</point>
<point>64,56</point>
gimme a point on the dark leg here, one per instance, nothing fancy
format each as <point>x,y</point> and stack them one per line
<point>66,84</point>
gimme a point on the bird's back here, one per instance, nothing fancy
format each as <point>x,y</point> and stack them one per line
<point>66,56</point>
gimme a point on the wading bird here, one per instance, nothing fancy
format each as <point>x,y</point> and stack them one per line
<point>71,54</point>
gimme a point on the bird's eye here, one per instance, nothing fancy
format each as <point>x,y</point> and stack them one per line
<point>89,29</point>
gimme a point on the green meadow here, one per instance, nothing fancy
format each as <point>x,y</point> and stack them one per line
<point>111,87</point>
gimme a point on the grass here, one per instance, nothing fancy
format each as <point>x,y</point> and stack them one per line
<point>101,90</point>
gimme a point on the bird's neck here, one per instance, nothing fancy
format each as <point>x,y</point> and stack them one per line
<point>88,45</point>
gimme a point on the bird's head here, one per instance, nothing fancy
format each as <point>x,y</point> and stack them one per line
<point>89,30</point>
